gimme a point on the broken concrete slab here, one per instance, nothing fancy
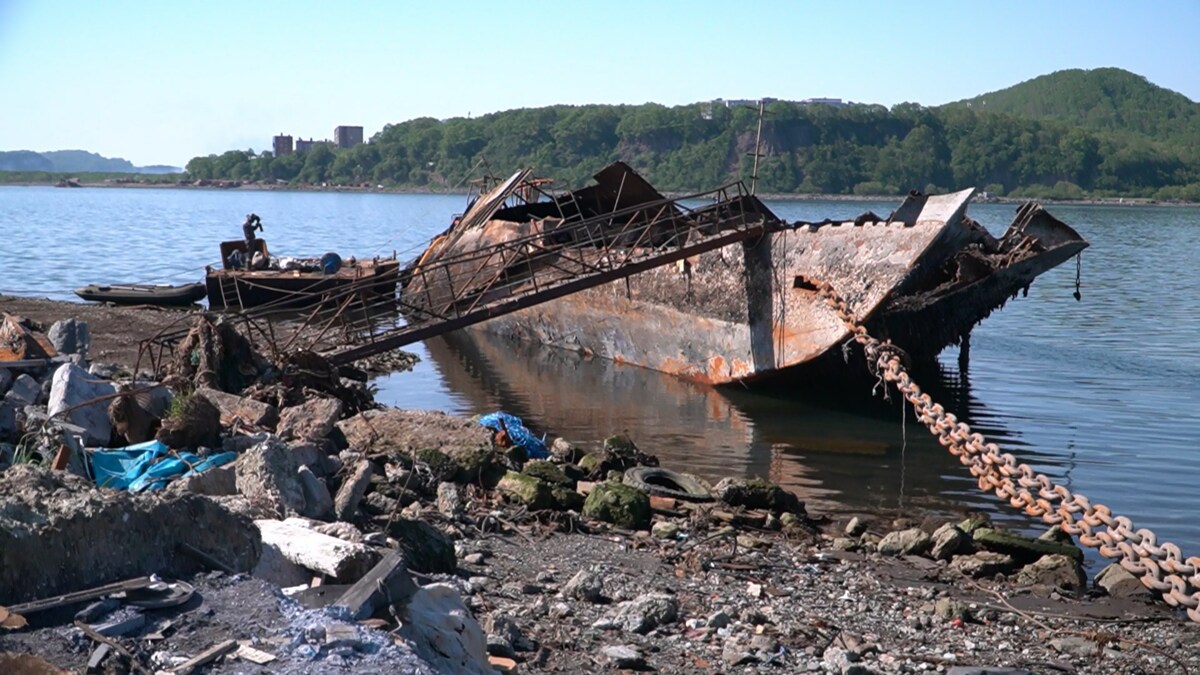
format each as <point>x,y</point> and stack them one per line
<point>310,421</point>
<point>239,408</point>
<point>268,477</point>
<point>317,501</point>
<point>71,391</point>
<point>218,481</point>
<point>402,431</point>
<point>345,505</point>
<point>60,533</point>
<point>295,541</point>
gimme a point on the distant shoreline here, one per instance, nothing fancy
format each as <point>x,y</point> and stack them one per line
<point>771,196</point>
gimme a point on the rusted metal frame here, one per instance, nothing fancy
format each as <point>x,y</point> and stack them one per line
<point>641,235</point>
<point>408,335</point>
<point>560,254</point>
<point>488,287</point>
<point>470,282</point>
<point>584,224</point>
<point>329,324</point>
<point>529,260</point>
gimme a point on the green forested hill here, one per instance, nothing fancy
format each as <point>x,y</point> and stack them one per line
<point>1105,100</point>
<point>856,149</point>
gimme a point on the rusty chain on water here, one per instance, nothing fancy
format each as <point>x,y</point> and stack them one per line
<point>1160,567</point>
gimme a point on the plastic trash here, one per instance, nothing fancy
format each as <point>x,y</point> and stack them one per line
<point>521,437</point>
<point>149,466</point>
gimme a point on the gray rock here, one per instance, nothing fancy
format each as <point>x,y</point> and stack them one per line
<point>905,542</point>
<point>220,481</point>
<point>317,501</point>
<point>8,422</point>
<point>856,527</point>
<point>234,407</point>
<point>647,612</point>
<point>70,388</point>
<point>755,493</point>
<point>983,564</point>
<point>310,421</point>
<point>502,631</point>
<point>1022,548</point>
<point>1055,571</point>
<point>499,646</point>
<point>624,657</point>
<point>664,529</point>
<point>352,490</point>
<point>60,533</point>
<point>70,336</point>
<point>948,609</point>
<point>25,391</point>
<point>450,501</point>
<point>1120,583</point>
<point>737,653</point>
<point>947,541</point>
<point>585,585</point>
<point>845,544</point>
<point>717,620</point>
<point>838,658</point>
<point>6,380</point>
<point>1076,646</point>
<point>268,477</point>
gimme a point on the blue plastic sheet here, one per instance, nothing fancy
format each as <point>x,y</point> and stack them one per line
<point>521,437</point>
<point>149,466</point>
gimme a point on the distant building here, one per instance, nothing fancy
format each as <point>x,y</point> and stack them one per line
<point>303,145</point>
<point>835,102</point>
<point>283,145</point>
<point>348,137</point>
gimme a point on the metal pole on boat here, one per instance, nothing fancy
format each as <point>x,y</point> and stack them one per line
<point>757,154</point>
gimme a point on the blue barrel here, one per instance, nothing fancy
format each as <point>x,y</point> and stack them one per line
<point>331,263</point>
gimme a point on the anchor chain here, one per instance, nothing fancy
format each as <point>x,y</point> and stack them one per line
<point>1160,567</point>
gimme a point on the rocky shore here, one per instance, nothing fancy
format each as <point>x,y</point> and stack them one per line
<point>295,526</point>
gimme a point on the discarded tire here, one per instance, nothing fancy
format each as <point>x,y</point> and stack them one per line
<point>666,483</point>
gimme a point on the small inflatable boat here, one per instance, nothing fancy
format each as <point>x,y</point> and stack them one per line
<point>143,294</point>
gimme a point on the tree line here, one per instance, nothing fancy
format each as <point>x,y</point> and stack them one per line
<point>855,149</point>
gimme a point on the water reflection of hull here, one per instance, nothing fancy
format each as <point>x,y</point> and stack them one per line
<point>586,399</point>
<point>835,458</point>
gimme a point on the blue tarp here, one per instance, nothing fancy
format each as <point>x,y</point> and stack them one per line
<point>148,466</point>
<point>521,437</point>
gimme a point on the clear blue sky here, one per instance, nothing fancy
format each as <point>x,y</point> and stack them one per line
<point>159,82</point>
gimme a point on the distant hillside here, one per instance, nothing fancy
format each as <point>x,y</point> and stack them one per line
<point>73,161</point>
<point>1068,135</point>
<point>1106,100</point>
<point>24,160</point>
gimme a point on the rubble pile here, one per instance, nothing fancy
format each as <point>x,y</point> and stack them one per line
<point>308,530</point>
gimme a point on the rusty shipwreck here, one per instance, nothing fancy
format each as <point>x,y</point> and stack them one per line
<point>714,287</point>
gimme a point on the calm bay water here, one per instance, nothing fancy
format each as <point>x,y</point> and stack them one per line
<point>1101,394</point>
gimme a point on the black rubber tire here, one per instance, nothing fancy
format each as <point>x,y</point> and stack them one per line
<point>666,483</point>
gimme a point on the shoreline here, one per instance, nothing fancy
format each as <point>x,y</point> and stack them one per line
<point>783,197</point>
<point>565,565</point>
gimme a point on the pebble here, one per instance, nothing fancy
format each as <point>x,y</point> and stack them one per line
<point>624,657</point>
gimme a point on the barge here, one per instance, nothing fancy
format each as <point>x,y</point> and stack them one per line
<point>747,312</point>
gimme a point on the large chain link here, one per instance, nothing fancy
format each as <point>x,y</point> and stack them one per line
<point>1160,567</point>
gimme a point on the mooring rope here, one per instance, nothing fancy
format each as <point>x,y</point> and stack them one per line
<point>1160,567</point>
